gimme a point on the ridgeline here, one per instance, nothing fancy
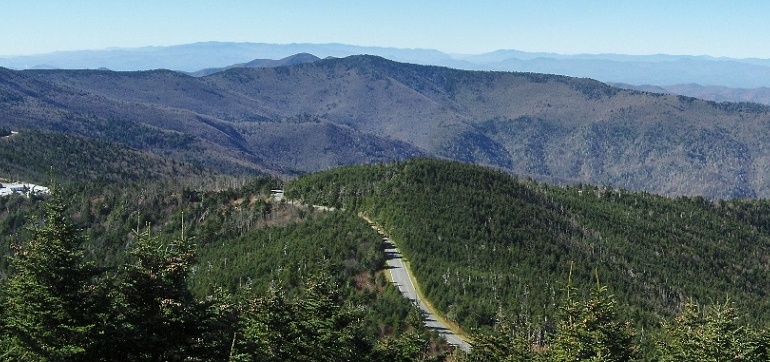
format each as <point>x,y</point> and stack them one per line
<point>482,242</point>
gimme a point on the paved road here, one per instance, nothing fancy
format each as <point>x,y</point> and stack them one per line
<point>401,278</point>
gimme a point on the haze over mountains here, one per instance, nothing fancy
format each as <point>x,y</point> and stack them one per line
<point>712,93</point>
<point>295,59</point>
<point>363,109</point>
<point>661,70</point>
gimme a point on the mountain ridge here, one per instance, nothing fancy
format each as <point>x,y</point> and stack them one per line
<point>483,241</point>
<point>658,69</point>
<point>364,109</point>
<point>711,93</point>
<point>295,59</point>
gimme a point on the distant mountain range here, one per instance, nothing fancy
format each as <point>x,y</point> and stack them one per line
<point>295,59</point>
<point>660,70</point>
<point>362,109</point>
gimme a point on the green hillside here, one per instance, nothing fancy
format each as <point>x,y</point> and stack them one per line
<point>218,272</point>
<point>248,258</point>
<point>481,241</point>
<point>162,271</point>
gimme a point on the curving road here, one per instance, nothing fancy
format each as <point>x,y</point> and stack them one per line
<point>401,278</point>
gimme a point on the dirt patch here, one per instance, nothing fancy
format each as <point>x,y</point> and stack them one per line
<point>364,281</point>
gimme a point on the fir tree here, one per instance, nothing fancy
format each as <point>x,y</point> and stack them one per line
<point>590,330</point>
<point>316,325</point>
<point>713,335</point>
<point>55,306</point>
<point>157,316</point>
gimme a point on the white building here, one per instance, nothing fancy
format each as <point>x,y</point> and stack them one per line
<point>24,189</point>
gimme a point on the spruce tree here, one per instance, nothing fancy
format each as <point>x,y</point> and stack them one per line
<point>157,316</point>
<point>711,335</point>
<point>408,346</point>
<point>315,325</point>
<point>55,301</point>
<point>509,342</point>
<point>591,331</point>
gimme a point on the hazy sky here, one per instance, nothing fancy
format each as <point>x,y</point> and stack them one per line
<point>738,29</point>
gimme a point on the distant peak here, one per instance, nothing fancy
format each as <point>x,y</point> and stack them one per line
<point>299,58</point>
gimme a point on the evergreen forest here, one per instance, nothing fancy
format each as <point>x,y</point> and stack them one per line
<point>498,254</point>
<point>158,271</point>
<point>213,268</point>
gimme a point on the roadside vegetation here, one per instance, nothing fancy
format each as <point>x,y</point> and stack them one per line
<point>162,270</point>
<point>151,274</point>
<point>488,247</point>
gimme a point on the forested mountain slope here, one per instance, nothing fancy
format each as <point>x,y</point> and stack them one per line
<point>365,109</point>
<point>160,271</point>
<point>483,243</point>
<point>38,156</point>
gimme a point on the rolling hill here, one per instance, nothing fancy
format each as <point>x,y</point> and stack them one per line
<point>364,109</point>
<point>483,243</point>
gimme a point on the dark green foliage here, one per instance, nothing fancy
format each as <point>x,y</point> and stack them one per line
<point>282,258</point>
<point>511,340</point>
<point>410,345</point>
<point>36,156</point>
<point>15,211</point>
<point>339,242</point>
<point>711,333</point>
<point>55,302</point>
<point>157,318</point>
<point>591,331</point>
<point>587,330</point>
<point>278,281</point>
<point>480,240</point>
<point>148,310</point>
<point>315,325</point>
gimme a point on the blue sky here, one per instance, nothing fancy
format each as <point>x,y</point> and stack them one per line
<point>738,29</point>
